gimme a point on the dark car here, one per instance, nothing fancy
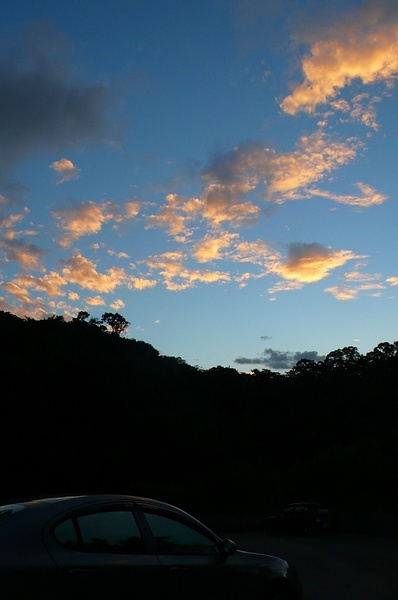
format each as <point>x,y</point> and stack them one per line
<point>116,547</point>
<point>299,517</point>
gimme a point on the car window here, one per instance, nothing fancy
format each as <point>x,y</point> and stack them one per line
<point>66,534</point>
<point>301,509</point>
<point>288,510</point>
<point>175,537</point>
<point>108,532</point>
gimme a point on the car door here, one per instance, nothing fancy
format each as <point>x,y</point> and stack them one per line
<point>101,554</point>
<point>192,564</point>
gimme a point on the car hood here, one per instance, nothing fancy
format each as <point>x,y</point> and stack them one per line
<point>256,559</point>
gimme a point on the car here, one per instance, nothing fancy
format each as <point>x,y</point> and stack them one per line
<point>117,546</point>
<point>299,517</point>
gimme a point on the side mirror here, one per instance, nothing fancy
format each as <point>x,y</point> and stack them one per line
<point>229,547</point>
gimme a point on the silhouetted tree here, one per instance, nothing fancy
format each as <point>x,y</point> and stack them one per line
<point>115,321</point>
<point>82,315</point>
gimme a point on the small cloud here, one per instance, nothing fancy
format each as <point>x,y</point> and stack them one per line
<point>65,169</point>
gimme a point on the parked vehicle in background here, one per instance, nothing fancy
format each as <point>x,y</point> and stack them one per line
<point>113,547</point>
<point>299,517</point>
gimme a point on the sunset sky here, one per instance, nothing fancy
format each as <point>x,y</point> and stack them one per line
<point>222,173</point>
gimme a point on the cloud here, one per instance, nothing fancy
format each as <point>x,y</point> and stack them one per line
<point>176,276</point>
<point>279,360</point>
<point>361,46</point>
<point>81,271</point>
<point>66,169</point>
<point>307,263</point>
<point>95,301</point>
<point>43,104</point>
<point>15,249</point>
<point>174,216</point>
<point>87,218</point>
<point>370,197</point>
<point>211,247</point>
<point>276,177</point>
<point>223,203</point>
<point>51,284</point>
<point>345,292</point>
<point>279,176</point>
<point>257,252</point>
<point>357,284</point>
<point>28,255</point>
<point>316,156</point>
<point>117,305</point>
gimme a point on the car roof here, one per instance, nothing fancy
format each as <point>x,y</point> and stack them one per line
<point>52,506</point>
<point>318,504</point>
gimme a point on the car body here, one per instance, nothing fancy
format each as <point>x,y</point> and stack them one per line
<point>112,547</point>
<point>299,517</point>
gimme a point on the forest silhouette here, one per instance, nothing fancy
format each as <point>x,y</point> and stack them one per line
<point>85,409</point>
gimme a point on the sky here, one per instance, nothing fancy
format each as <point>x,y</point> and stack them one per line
<point>221,173</point>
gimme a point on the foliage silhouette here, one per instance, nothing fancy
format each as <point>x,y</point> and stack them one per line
<point>89,411</point>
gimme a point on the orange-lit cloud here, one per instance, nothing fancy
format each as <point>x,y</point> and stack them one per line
<point>317,155</point>
<point>174,216</point>
<point>52,284</point>
<point>28,255</point>
<point>223,203</point>
<point>85,218</point>
<point>176,276</point>
<point>95,301</point>
<point>358,283</point>
<point>278,177</point>
<point>65,169</point>
<point>211,247</point>
<point>363,47</point>
<point>83,272</point>
<point>88,218</point>
<point>117,305</point>
<point>345,292</point>
<point>307,263</point>
<point>369,197</point>
<point>254,252</point>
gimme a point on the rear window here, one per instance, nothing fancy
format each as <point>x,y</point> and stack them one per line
<point>9,509</point>
<point>102,532</point>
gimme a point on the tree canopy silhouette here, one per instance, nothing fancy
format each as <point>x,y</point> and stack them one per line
<point>88,410</point>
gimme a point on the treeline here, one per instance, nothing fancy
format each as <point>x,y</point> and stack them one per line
<point>85,409</point>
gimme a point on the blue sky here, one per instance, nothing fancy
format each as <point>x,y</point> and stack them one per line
<point>221,173</point>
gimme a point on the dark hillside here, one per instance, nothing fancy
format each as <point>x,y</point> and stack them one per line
<point>85,409</point>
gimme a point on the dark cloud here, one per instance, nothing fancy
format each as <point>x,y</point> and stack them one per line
<point>42,103</point>
<point>235,166</point>
<point>279,361</point>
